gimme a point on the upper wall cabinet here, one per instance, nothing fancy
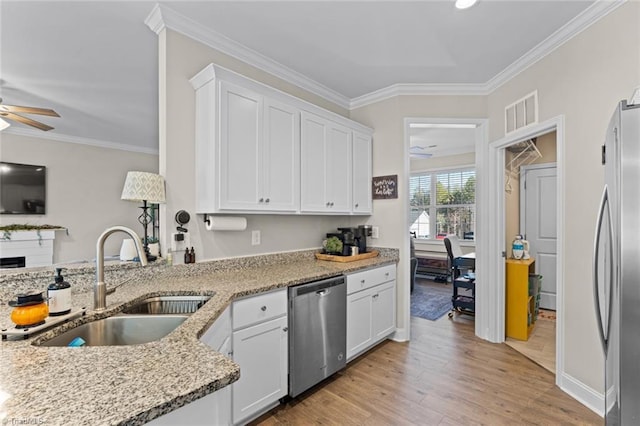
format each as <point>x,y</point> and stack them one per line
<point>326,166</point>
<point>259,150</point>
<point>362,160</point>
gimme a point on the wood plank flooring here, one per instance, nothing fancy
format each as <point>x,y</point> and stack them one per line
<point>444,376</point>
<point>541,346</point>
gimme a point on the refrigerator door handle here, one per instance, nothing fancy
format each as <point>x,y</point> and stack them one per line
<point>604,207</point>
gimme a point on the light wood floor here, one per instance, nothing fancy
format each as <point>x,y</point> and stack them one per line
<point>444,376</point>
<point>541,346</point>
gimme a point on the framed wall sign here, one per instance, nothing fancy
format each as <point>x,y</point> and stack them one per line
<point>384,187</point>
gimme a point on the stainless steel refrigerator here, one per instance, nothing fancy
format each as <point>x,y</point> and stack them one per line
<point>616,267</point>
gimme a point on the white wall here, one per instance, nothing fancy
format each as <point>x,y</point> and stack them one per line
<point>582,80</point>
<point>180,59</point>
<point>84,184</point>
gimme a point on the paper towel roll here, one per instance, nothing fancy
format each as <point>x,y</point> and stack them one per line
<point>225,223</point>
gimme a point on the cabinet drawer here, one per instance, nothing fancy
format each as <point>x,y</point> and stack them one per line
<point>369,278</point>
<point>259,308</point>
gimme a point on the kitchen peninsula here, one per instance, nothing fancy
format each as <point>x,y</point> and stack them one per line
<point>135,384</point>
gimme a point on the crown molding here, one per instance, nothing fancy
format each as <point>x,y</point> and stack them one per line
<point>581,22</point>
<point>416,90</point>
<point>78,140</point>
<point>162,17</point>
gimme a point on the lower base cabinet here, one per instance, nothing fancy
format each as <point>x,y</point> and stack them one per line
<point>215,408</point>
<point>371,308</point>
<point>212,409</point>
<point>261,349</point>
<point>261,352</point>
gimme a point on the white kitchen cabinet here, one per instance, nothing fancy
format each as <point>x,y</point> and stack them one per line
<point>362,175</point>
<point>326,169</point>
<point>214,408</point>
<point>260,348</point>
<point>260,150</point>
<point>371,305</point>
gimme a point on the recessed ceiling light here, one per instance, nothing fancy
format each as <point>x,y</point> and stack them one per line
<point>465,4</point>
<point>442,126</point>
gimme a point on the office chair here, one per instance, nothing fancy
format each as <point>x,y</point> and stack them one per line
<point>452,244</point>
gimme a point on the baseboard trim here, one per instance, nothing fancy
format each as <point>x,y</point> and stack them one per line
<point>582,393</point>
<point>401,335</point>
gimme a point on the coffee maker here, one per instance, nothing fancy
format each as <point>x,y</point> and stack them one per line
<point>354,237</point>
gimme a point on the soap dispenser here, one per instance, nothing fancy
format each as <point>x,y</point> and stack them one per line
<point>59,294</point>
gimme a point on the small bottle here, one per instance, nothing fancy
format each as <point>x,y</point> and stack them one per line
<point>169,258</point>
<point>193,255</point>
<point>187,256</point>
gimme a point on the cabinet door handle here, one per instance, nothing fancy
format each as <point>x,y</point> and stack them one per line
<point>261,200</point>
<point>386,274</point>
<point>356,205</point>
<point>328,204</point>
<point>375,296</point>
<point>264,308</point>
<point>285,329</point>
<point>266,201</point>
<point>332,204</point>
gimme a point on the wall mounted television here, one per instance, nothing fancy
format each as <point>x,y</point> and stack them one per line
<point>22,188</point>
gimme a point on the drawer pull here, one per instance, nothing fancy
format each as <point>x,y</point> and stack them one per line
<point>386,274</point>
<point>361,281</point>
<point>285,329</point>
<point>264,308</point>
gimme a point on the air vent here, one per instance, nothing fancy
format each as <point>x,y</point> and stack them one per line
<point>521,113</point>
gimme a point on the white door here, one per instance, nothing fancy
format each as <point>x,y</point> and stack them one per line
<point>338,168</point>
<point>281,185</point>
<point>261,351</point>
<point>312,167</point>
<point>538,224</point>
<point>240,147</point>
<point>361,173</point>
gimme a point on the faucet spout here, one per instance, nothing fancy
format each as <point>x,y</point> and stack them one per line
<point>100,288</point>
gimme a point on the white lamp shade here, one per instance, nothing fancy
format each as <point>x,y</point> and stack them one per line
<point>143,186</point>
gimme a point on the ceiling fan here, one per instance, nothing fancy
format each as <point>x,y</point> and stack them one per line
<point>9,112</point>
<point>416,152</point>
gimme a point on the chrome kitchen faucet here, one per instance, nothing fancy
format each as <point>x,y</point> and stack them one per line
<point>100,288</point>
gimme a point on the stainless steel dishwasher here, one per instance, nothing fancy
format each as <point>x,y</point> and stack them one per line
<point>317,332</point>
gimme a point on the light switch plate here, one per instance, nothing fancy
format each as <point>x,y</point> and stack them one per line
<point>255,238</point>
<point>375,232</point>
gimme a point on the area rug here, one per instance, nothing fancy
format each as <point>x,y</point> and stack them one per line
<point>429,302</point>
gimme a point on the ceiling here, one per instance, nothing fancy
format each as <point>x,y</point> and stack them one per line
<point>95,62</point>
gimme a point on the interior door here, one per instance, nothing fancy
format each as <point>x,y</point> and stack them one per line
<point>538,200</point>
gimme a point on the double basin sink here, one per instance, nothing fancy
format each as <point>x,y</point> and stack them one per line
<point>145,321</point>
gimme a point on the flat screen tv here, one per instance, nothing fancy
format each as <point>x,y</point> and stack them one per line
<point>22,188</point>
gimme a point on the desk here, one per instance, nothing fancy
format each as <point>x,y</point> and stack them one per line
<point>467,261</point>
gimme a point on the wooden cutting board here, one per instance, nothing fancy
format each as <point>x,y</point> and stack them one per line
<point>343,259</point>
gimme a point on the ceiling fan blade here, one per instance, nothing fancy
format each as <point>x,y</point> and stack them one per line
<point>29,110</point>
<point>25,120</point>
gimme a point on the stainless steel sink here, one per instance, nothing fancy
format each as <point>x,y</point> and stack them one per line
<point>120,330</point>
<point>163,305</point>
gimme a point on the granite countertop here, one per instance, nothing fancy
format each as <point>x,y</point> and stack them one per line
<point>133,384</point>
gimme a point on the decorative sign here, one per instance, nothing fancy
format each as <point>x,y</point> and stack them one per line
<point>385,187</point>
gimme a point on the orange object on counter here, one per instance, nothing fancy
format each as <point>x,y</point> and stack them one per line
<point>29,315</point>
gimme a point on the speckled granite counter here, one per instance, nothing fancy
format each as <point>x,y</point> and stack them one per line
<point>133,384</point>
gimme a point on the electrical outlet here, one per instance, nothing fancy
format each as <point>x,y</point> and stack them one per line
<point>375,232</point>
<point>182,244</point>
<point>255,238</point>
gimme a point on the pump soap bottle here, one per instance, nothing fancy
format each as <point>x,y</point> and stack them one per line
<point>59,294</point>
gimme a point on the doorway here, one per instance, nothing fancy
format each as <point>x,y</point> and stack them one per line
<point>530,211</point>
<point>492,296</point>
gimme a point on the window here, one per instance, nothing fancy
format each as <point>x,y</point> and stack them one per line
<point>443,203</point>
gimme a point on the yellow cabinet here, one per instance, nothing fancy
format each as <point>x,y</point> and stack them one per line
<point>520,307</point>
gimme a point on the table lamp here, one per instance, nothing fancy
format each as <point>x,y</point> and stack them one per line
<point>148,188</point>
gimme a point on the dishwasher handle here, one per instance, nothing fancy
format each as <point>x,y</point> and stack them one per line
<point>323,292</point>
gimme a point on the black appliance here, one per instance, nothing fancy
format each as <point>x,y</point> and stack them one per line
<point>359,236</point>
